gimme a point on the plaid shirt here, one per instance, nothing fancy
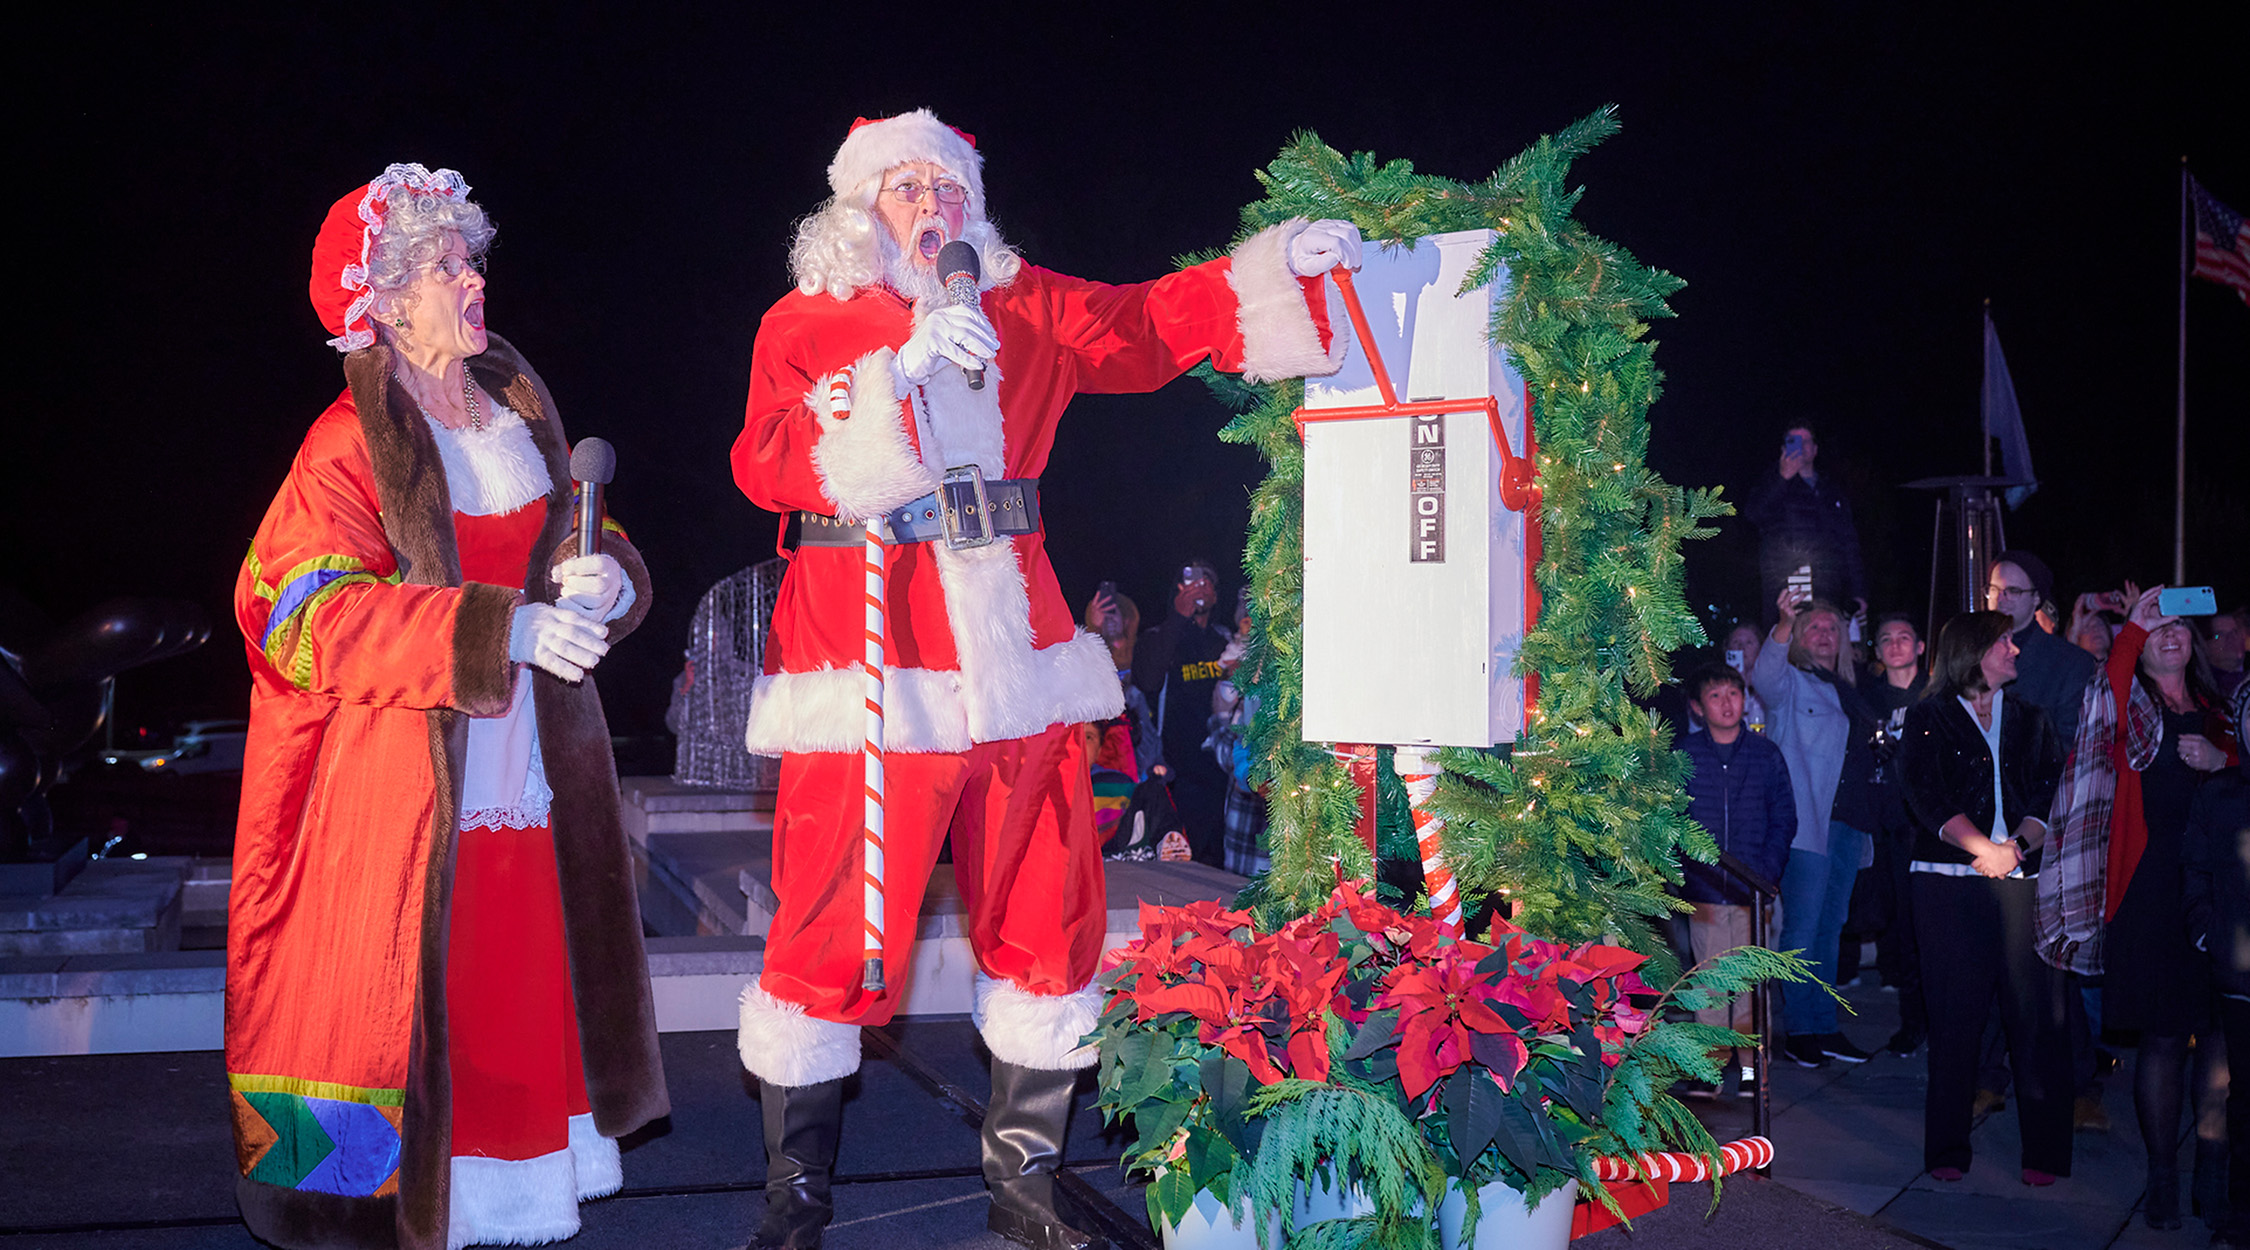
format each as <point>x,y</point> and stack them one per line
<point>2074,877</point>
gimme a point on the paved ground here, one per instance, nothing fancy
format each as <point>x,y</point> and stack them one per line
<point>123,1152</point>
<point>1852,1136</point>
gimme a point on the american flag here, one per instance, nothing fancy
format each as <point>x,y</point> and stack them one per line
<point>2222,242</point>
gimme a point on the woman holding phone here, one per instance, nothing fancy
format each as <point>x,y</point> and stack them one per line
<point>2151,728</point>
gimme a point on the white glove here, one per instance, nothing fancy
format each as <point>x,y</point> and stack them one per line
<point>1322,246</point>
<point>956,333</point>
<point>592,586</point>
<point>555,639</point>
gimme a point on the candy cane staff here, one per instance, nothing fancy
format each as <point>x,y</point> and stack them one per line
<point>986,674</point>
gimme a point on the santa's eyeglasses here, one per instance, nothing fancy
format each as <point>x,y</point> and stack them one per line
<point>911,192</point>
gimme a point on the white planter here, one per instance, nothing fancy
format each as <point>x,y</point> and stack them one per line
<point>1317,1202</point>
<point>1208,1226</point>
<point>1504,1224</point>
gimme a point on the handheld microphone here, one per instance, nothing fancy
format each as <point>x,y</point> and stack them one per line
<point>593,462</point>
<point>959,269</point>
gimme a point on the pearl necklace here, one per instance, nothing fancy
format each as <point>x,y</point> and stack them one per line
<point>468,399</point>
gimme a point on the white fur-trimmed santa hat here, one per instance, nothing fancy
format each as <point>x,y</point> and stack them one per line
<point>874,146</point>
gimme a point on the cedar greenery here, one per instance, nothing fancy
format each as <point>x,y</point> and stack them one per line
<point>1581,824</point>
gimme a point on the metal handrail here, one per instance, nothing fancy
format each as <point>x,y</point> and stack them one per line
<point>1761,1014</point>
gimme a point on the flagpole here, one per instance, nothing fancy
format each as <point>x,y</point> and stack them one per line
<point>1984,409</point>
<point>2179,444</point>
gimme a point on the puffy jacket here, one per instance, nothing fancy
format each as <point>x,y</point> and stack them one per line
<point>1746,806</point>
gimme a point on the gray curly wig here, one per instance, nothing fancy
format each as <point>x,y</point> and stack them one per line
<point>414,229</point>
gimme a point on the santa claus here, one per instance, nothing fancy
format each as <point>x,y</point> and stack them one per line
<point>868,386</point>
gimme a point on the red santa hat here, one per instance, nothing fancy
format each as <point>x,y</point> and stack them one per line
<point>340,291</point>
<point>874,147</point>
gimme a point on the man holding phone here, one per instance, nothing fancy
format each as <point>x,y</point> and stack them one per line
<point>1805,527</point>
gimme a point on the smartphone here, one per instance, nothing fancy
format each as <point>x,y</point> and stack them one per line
<point>1794,445</point>
<point>2187,601</point>
<point>1113,620</point>
<point>1801,582</point>
<point>1734,661</point>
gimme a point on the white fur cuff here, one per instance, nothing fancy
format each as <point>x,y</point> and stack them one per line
<point>594,1157</point>
<point>864,459</point>
<point>826,710</point>
<point>1037,1030</point>
<point>1279,339</point>
<point>927,710</point>
<point>782,1045</point>
<point>512,1202</point>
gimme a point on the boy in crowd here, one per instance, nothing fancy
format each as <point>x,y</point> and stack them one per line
<point>1740,794</point>
<point>1898,668</point>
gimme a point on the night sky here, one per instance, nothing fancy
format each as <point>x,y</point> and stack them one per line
<point>1840,193</point>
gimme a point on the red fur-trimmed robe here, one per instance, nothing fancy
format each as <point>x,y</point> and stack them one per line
<point>982,647</point>
<point>367,655</point>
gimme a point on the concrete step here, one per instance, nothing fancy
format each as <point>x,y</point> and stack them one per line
<point>706,893</point>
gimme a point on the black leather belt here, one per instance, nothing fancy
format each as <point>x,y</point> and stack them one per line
<point>1011,507</point>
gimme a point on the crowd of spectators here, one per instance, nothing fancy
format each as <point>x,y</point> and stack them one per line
<point>2037,818</point>
<point>2042,830</point>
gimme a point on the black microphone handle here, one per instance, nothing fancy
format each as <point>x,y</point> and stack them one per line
<point>589,518</point>
<point>961,289</point>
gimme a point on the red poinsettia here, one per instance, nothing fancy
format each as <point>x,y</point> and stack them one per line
<point>1262,998</point>
<point>1442,1006</point>
<point>1268,999</point>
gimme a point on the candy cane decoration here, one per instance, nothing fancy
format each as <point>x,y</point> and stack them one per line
<point>1418,768</point>
<point>871,670</point>
<point>1671,1165</point>
<point>871,899</point>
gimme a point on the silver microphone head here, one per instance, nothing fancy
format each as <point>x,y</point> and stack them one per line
<point>593,460</point>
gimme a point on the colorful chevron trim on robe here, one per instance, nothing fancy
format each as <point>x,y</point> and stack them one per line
<point>317,1135</point>
<point>286,641</point>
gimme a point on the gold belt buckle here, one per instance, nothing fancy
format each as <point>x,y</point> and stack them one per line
<point>966,510</point>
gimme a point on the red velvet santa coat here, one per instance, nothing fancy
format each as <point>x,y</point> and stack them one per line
<point>981,644</point>
<point>367,653</point>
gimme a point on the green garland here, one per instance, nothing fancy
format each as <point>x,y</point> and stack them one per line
<point>1581,824</point>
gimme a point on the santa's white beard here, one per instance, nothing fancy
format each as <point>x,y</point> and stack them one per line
<point>907,275</point>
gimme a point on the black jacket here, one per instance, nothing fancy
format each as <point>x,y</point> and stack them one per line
<point>2052,673</point>
<point>1802,522</point>
<point>1947,770</point>
<point>1176,665</point>
<point>2218,878</point>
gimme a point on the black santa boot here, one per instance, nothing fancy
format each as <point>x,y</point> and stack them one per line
<point>1023,1145</point>
<point>802,1123</point>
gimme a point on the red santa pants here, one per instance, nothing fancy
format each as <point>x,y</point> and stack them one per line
<point>512,1027</point>
<point>1021,814</point>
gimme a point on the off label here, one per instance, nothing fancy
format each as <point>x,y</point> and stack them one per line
<point>1425,490</point>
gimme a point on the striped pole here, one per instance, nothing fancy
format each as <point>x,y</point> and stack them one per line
<point>1740,1155</point>
<point>871,665</point>
<point>871,671</point>
<point>1417,767</point>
